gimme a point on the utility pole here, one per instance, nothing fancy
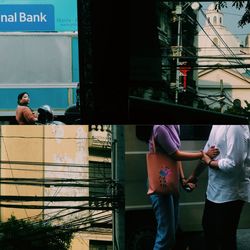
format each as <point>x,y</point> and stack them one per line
<point>118,164</point>
<point>221,95</point>
<point>178,12</point>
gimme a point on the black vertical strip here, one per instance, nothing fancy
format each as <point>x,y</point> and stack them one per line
<point>103,58</point>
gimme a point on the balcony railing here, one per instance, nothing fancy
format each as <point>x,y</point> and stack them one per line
<point>100,136</point>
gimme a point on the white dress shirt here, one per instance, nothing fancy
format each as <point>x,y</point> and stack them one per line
<point>231,181</point>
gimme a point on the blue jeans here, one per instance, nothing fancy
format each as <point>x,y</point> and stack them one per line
<point>166,208</point>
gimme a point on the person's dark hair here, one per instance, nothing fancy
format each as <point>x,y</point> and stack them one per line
<point>20,96</point>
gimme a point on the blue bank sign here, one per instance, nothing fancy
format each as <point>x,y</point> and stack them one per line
<point>27,17</point>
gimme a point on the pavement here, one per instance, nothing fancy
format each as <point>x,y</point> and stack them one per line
<point>188,241</point>
<point>195,240</point>
<point>243,239</point>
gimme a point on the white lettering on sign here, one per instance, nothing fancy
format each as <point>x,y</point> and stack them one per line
<point>8,18</point>
<point>23,17</point>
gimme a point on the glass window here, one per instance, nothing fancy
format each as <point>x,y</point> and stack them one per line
<point>216,41</point>
<point>214,20</point>
<point>188,132</point>
<point>98,173</point>
<point>100,245</point>
<point>195,132</point>
<point>41,59</point>
<point>143,132</point>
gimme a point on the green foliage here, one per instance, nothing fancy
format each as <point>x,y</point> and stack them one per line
<point>237,109</point>
<point>245,19</point>
<point>29,235</point>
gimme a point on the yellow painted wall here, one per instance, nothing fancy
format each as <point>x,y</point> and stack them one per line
<point>25,152</point>
<point>21,144</point>
<point>67,148</point>
<point>79,243</point>
<point>53,151</point>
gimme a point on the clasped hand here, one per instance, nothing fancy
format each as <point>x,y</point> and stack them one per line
<point>191,181</point>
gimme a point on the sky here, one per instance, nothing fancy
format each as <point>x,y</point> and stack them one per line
<point>231,18</point>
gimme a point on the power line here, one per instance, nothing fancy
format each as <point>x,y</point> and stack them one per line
<point>17,190</point>
<point>47,171</point>
<point>218,35</point>
<point>42,163</point>
<point>212,66</point>
<point>215,57</point>
<point>11,198</point>
<point>221,51</point>
<point>232,66</point>
<point>102,199</point>
<point>224,43</point>
<point>234,34</point>
<point>74,225</point>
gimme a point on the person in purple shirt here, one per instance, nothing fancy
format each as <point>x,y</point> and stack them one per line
<point>167,140</point>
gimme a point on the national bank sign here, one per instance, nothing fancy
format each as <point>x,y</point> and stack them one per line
<point>27,17</point>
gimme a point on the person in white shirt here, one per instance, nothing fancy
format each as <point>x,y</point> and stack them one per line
<point>228,184</point>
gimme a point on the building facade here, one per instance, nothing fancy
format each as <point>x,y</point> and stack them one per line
<point>60,174</point>
<point>39,54</point>
<point>162,39</point>
<point>222,75</point>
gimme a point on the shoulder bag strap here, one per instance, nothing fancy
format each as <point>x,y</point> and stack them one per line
<point>153,143</point>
